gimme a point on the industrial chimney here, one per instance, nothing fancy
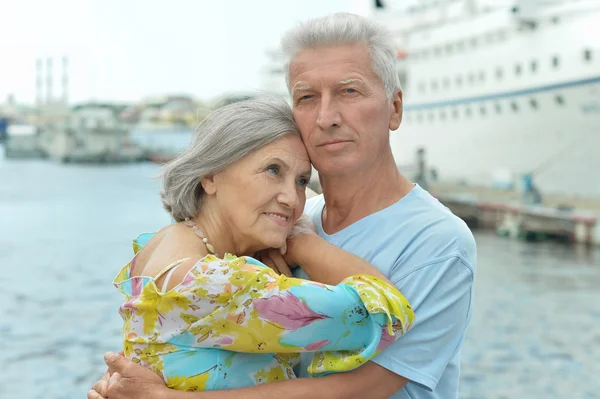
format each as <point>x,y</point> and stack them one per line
<point>48,80</point>
<point>65,80</point>
<point>39,81</point>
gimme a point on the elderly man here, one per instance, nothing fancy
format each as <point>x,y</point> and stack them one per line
<point>346,99</point>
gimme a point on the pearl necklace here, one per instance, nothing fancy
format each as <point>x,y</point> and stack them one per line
<point>192,224</point>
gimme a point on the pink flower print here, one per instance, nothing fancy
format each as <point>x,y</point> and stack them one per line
<point>189,278</point>
<point>136,287</point>
<point>386,339</point>
<point>286,310</point>
<point>315,346</point>
<point>225,341</point>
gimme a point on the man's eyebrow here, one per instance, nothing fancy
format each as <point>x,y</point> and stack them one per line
<point>301,86</point>
<point>346,81</point>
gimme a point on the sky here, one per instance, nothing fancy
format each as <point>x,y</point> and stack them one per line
<point>126,50</point>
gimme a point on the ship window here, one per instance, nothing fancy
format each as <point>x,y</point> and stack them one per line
<point>455,113</point>
<point>421,86</point>
<point>518,69</point>
<point>482,110</point>
<point>555,20</point>
<point>499,73</point>
<point>471,77</point>
<point>473,42</point>
<point>437,51</point>
<point>434,85</point>
<point>468,111</point>
<point>587,55</point>
<point>459,81</point>
<point>460,46</point>
<point>534,66</point>
<point>446,82</point>
<point>501,35</point>
<point>534,103</point>
<point>555,61</point>
<point>481,76</point>
<point>443,115</point>
<point>430,116</point>
<point>560,100</point>
<point>419,117</point>
<point>408,117</point>
<point>498,108</point>
<point>449,48</point>
<point>514,106</point>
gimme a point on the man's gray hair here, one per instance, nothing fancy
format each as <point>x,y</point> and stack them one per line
<point>225,136</point>
<point>346,29</point>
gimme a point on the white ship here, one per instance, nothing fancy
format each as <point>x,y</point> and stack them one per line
<point>497,90</point>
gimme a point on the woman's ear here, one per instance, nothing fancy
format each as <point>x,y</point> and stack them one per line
<point>209,185</point>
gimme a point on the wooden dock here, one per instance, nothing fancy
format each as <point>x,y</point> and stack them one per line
<point>573,220</point>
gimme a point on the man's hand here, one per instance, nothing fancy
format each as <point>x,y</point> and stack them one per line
<point>127,380</point>
<point>298,241</point>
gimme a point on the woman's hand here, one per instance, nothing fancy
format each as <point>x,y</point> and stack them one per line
<point>279,259</point>
<point>127,380</point>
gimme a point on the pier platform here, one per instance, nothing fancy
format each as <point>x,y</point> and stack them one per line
<point>562,218</point>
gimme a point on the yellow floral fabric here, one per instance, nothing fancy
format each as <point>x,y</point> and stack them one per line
<point>234,322</point>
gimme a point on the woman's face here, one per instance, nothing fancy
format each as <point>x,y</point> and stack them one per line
<point>260,196</point>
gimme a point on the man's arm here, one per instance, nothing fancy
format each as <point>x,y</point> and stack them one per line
<point>132,381</point>
<point>324,262</point>
<point>357,384</point>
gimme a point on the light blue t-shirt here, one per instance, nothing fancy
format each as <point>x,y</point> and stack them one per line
<point>430,255</point>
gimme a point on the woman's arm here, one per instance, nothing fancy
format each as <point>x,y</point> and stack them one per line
<point>252,309</point>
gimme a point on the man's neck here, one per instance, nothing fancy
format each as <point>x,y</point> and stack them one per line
<point>349,198</point>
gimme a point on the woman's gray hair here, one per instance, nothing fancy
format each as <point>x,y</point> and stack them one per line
<point>225,136</point>
<point>346,29</point>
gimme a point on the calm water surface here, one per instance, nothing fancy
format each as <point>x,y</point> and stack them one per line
<point>66,230</point>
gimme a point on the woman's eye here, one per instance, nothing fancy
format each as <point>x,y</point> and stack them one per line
<point>274,169</point>
<point>303,181</point>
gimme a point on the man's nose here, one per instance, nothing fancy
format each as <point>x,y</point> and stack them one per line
<point>329,114</point>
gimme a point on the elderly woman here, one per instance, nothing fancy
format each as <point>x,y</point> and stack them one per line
<point>202,312</point>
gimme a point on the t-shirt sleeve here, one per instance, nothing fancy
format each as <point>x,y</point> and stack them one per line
<point>441,294</point>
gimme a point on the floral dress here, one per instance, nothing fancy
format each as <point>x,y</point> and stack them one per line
<point>234,322</point>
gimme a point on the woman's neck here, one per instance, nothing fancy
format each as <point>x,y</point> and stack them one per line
<point>216,233</point>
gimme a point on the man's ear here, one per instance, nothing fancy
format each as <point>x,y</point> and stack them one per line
<point>396,116</point>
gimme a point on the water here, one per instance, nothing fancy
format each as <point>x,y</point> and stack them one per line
<point>66,230</point>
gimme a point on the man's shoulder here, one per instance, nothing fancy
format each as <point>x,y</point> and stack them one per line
<point>434,231</point>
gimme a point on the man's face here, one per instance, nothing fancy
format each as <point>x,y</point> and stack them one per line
<point>341,108</point>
